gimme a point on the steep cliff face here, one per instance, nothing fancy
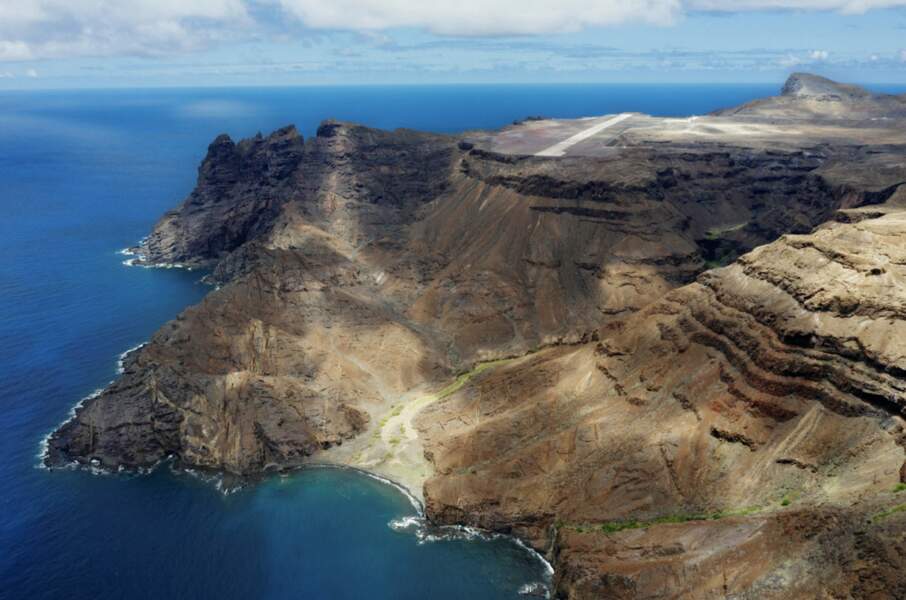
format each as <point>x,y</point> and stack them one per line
<point>757,412</point>
<point>281,362</point>
<point>240,190</point>
<point>695,393</point>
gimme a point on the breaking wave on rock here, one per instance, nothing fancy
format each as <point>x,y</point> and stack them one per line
<point>426,532</point>
<point>137,259</point>
<point>120,361</point>
<point>43,445</point>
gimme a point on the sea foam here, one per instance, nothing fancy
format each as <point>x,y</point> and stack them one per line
<point>426,532</point>
<point>120,368</point>
<point>137,259</point>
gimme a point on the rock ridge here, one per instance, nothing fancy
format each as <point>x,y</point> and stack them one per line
<point>670,361</point>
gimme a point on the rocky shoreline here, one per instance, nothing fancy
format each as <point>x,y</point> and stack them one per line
<point>668,360</point>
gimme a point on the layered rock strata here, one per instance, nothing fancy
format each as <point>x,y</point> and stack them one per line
<point>670,360</point>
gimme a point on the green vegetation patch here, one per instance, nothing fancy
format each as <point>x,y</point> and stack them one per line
<point>617,526</point>
<point>890,511</point>
<point>463,379</point>
<point>789,498</point>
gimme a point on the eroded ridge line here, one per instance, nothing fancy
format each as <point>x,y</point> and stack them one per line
<point>560,148</point>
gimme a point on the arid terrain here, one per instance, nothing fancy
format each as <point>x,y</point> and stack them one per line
<point>667,353</point>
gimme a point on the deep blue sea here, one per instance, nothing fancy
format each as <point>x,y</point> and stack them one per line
<point>84,174</point>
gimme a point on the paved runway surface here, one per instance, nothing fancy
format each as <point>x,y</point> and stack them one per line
<point>560,148</point>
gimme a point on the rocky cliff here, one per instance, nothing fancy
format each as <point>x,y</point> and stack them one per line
<point>670,361</point>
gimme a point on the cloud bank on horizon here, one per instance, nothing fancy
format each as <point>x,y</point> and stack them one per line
<point>39,29</point>
<point>534,17</point>
<point>112,42</point>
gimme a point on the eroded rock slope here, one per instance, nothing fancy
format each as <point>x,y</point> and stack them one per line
<point>703,387</point>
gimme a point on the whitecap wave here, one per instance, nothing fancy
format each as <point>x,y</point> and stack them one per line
<point>548,568</point>
<point>427,533</point>
<point>43,445</point>
<point>218,480</point>
<point>45,441</point>
<point>537,589</point>
<point>129,262</point>
<point>139,260</point>
<point>120,369</point>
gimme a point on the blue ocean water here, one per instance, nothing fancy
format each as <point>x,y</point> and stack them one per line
<point>83,174</point>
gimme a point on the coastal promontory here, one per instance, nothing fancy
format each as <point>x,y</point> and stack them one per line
<point>668,353</point>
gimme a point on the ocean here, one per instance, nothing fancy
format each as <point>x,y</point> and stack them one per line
<point>86,173</point>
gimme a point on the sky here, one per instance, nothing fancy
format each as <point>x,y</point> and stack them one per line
<point>135,43</point>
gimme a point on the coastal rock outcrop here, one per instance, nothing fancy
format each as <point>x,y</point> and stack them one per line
<point>240,190</point>
<point>671,361</point>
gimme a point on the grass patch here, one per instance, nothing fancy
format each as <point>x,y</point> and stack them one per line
<point>890,511</point>
<point>463,379</point>
<point>617,526</point>
<point>899,488</point>
<point>394,441</point>
<point>789,498</point>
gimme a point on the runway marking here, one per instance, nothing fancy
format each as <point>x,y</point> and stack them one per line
<point>560,148</point>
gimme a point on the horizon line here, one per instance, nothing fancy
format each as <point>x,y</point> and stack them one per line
<point>546,84</point>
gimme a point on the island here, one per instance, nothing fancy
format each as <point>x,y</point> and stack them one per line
<point>669,354</point>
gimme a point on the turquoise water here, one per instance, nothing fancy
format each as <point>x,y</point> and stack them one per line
<point>83,174</point>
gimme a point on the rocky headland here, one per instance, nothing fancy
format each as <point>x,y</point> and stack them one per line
<point>669,355</point>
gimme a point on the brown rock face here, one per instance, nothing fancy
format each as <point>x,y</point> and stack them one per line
<point>774,382</point>
<point>698,387</point>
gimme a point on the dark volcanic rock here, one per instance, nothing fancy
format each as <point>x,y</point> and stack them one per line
<point>658,429</point>
<point>240,191</point>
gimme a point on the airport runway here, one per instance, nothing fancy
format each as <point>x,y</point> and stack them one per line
<point>559,149</point>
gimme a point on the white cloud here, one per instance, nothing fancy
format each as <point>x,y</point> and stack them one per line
<point>62,28</point>
<point>6,75</point>
<point>843,6</point>
<point>903,55</point>
<point>480,17</point>
<point>793,60</point>
<point>789,61</point>
<point>31,73</point>
<point>489,17</point>
<point>14,50</point>
<point>37,29</point>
